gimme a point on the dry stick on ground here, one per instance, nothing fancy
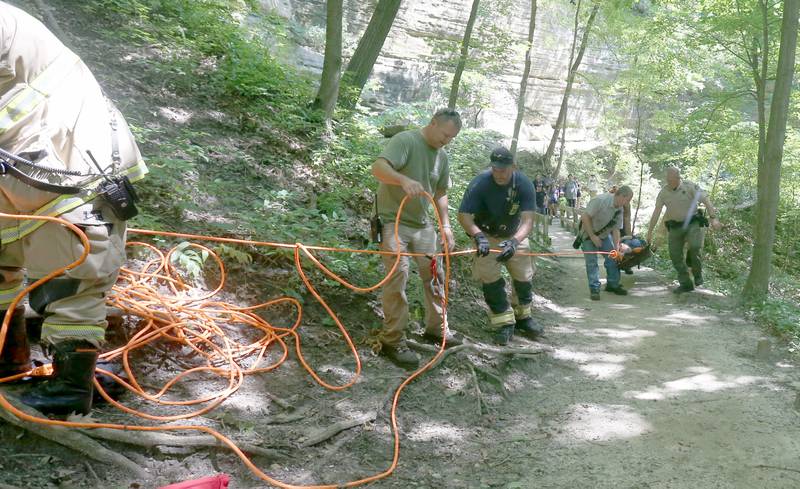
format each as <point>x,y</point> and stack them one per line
<point>319,435</point>
<point>322,434</point>
<point>478,392</point>
<point>70,438</point>
<point>497,350</point>
<point>788,469</point>
<point>153,439</point>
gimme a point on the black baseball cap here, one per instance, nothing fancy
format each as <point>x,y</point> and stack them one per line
<point>501,157</point>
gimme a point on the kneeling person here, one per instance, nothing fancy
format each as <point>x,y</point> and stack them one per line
<point>497,211</point>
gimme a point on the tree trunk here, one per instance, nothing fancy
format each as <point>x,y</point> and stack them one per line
<point>331,67</point>
<point>462,60</point>
<point>369,47</point>
<point>571,60</point>
<point>769,173</point>
<point>570,79</point>
<point>523,86</point>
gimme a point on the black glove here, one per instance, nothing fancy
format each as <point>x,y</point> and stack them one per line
<point>509,247</point>
<point>481,244</point>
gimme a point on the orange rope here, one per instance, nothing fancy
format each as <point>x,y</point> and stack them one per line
<point>171,312</point>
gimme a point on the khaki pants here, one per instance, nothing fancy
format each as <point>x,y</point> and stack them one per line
<point>395,302</point>
<point>487,270</point>
<point>520,267</point>
<point>73,303</point>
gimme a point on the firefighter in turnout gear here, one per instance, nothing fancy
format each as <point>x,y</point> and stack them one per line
<point>497,211</point>
<point>65,151</point>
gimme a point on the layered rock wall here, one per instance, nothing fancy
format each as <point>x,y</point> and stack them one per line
<point>407,71</point>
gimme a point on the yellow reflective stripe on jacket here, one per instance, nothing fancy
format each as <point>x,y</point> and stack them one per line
<point>77,330</point>
<point>522,311</point>
<point>63,204</point>
<point>502,319</point>
<point>7,296</point>
<point>24,102</point>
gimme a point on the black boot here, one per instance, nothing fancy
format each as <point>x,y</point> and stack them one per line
<point>70,387</point>
<point>16,355</point>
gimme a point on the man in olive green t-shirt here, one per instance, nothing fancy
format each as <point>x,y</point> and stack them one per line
<point>413,162</point>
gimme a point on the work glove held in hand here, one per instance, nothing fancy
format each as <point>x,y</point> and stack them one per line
<point>481,244</point>
<point>508,247</point>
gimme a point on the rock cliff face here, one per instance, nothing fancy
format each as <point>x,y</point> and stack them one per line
<point>406,71</point>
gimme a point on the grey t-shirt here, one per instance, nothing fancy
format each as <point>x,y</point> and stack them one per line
<point>410,155</point>
<point>601,209</point>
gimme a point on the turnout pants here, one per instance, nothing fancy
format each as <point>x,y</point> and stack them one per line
<point>73,304</point>
<point>679,237</point>
<point>394,299</point>
<point>487,270</point>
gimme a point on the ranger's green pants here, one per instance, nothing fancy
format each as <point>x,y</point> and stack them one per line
<point>678,238</point>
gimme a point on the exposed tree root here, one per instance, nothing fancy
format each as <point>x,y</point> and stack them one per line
<point>70,438</point>
<point>153,439</point>
<point>318,436</point>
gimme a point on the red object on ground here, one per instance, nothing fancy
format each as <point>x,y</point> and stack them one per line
<point>213,482</point>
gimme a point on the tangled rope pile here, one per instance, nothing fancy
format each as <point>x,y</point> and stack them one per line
<point>171,311</point>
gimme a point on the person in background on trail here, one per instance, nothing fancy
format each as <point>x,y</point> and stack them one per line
<point>600,226</point>
<point>66,149</point>
<point>554,193</point>
<point>562,207</point>
<point>686,225</point>
<point>541,197</point>
<point>571,191</point>
<point>497,211</point>
<point>414,162</point>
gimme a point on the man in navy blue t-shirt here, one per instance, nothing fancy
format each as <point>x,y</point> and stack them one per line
<point>497,211</point>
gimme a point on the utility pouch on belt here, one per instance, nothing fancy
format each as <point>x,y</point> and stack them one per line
<point>375,229</point>
<point>119,194</point>
<point>375,224</point>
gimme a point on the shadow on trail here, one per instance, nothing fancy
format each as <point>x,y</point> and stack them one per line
<point>652,390</point>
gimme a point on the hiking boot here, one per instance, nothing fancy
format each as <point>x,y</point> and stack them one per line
<point>503,335</point>
<point>618,290</point>
<point>698,280</point>
<point>453,338</point>
<point>594,295</point>
<point>529,328</point>
<point>401,356</point>
<point>628,271</point>
<point>682,289</point>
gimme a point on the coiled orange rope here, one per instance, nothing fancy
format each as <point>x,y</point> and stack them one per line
<point>170,312</point>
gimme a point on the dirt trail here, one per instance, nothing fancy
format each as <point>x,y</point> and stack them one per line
<point>655,391</point>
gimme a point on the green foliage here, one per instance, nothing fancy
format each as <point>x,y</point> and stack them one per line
<point>217,47</point>
<point>190,261</point>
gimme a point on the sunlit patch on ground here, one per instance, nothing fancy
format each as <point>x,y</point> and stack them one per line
<point>435,431</point>
<point>336,373</point>
<point>684,318</point>
<point>703,382</point>
<point>593,422</point>
<point>620,334</point>
<point>602,366</point>
<point>516,381</point>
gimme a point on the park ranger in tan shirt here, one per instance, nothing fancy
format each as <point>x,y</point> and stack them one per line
<point>685,225</point>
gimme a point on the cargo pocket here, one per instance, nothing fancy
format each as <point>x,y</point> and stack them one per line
<point>54,246</point>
